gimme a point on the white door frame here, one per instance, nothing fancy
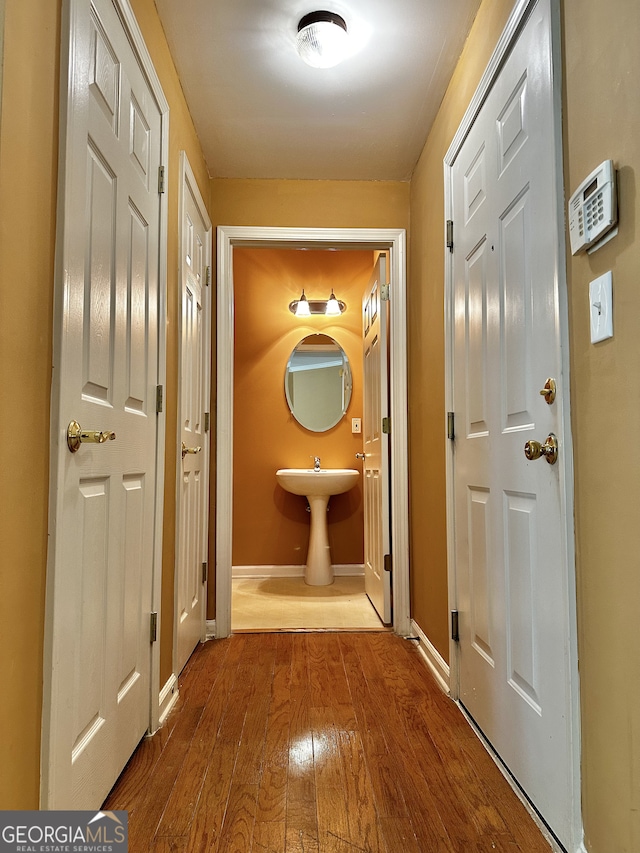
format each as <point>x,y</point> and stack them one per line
<point>516,21</point>
<point>71,10</point>
<point>230,237</point>
<point>188,183</point>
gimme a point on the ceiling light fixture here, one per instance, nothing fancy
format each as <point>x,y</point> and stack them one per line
<point>330,307</point>
<point>322,39</point>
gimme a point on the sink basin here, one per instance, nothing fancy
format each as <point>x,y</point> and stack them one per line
<point>325,482</point>
<point>318,486</point>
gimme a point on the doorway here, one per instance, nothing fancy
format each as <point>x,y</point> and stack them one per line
<point>230,238</point>
<point>298,386</point>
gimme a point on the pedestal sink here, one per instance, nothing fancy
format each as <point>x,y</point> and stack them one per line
<point>317,487</point>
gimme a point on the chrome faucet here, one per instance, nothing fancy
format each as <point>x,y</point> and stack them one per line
<point>316,463</point>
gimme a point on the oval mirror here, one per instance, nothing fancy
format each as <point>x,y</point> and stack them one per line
<point>317,383</point>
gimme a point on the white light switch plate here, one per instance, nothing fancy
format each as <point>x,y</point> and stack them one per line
<point>601,307</point>
<point>356,425</point>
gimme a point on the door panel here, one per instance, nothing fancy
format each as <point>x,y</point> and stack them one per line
<point>480,588</point>
<point>106,374</point>
<point>511,570</point>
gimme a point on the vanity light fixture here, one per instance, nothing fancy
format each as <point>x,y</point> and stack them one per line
<point>331,307</point>
<point>322,39</point>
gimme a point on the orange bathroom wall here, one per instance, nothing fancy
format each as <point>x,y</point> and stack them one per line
<point>271,526</point>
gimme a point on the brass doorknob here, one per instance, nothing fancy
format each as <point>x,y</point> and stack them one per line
<point>77,436</point>
<point>534,450</point>
<point>186,449</point>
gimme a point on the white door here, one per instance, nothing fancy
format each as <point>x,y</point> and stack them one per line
<point>193,439</point>
<point>510,549</point>
<point>376,442</point>
<point>97,695</point>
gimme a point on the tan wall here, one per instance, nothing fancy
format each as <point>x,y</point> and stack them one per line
<point>310,204</point>
<point>28,193</point>
<point>429,602</point>
<point>28,175</point>
<point>271,526</point>
<point>602,120</point>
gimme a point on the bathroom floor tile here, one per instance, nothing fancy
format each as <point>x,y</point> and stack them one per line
<point>289,604</point>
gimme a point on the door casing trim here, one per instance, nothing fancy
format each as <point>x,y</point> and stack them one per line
<point>517,20</point>
<point>230,237</point>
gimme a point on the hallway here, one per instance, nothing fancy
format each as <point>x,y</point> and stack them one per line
<point>317,743</point>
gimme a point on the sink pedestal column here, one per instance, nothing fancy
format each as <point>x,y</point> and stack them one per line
<point>318,571</point>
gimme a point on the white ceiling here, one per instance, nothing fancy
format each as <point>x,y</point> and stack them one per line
<point>260,112</point>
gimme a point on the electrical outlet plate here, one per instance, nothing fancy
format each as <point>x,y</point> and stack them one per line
<point>601,308</point>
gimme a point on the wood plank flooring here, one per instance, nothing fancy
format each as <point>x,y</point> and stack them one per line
<point>317,743</point>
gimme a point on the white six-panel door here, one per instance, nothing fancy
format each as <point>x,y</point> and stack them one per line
<point>193,440</point>
<point>510,550</point>
<point>97,694</point>
<point>376,442</point>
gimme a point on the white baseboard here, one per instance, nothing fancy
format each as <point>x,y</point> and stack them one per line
<point>211,629</point>
<point>168,697</point>
<point>434,660</point>
<point>345,570</point>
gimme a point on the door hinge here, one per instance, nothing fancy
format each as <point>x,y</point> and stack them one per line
<point>160,179</point>
<point>450,235</point>
<point>386,426</point>
<point>153,627</point>
<point>205,572</point>
<point>159,398</point>
<point>388,563</point>
<point>385,292</point>
<point>207,276</point>
<point>455,635</point>
<point>207,421</point>
<point>451,426</point>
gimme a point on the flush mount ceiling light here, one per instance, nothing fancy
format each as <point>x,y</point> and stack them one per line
<point>330,307</point>
<point>322,39</point>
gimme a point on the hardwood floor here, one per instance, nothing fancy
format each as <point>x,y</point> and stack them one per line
<point>317,743</point>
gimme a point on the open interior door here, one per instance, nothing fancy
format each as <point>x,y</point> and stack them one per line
<point>375,429</point>
<point>193,439</point>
